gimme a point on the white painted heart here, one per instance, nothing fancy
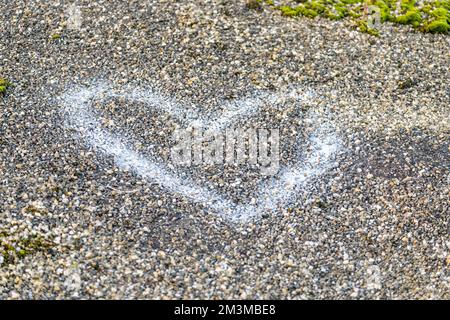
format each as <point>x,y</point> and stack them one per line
<point>275,193</point>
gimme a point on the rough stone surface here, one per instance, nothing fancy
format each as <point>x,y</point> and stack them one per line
<point>375,226</point>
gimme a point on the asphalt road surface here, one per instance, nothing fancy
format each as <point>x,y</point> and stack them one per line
<point>92,207</point>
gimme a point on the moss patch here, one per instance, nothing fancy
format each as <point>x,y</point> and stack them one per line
<point>55,36</point>
<point>425,16</point>
<point>4,85</point>
<point>12,249</point>
<point>253,4</point>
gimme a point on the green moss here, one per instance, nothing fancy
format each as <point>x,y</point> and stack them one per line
<point>439,13</point>
<point>427,16</point>
<point>362,26</point>
<point>25,247</point>
<point>33,209</point>
<point>354,14</point>
<point>4,85</point>
<point>335,15</point>
<point>385,10</point>
<point>253,4</point>
<point>310,10</point>
<point>288,11</point>
<point>342,11</point>
<point>8,247</point>
<point>426,9</point>
<point>35,243</point>
<point>444,4</point>
<point>307,12</point>
<point>317,6</point>
<point>350,1</point>
<point>56,36</point>
<point>22,253</point>
<point>412,17</point>
<point>438,26</point>
<point>407,5</point>
<point>6,252</point>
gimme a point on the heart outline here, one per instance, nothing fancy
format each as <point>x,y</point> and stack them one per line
<point>79,115</point>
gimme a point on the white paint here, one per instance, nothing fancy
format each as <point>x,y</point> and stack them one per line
<point>281,191</point>
<point>373,278</point>
<point>74,17</point>
<point>278,192</point>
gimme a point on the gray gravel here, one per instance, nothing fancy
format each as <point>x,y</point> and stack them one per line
<point>74,225</point>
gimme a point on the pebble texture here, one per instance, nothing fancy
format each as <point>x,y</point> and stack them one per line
<point>74,225</point>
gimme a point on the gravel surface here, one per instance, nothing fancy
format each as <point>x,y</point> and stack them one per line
<point>75,224</point>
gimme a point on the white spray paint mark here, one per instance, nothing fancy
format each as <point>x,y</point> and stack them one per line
<point>74,17</point>
<point>373,279</point>
<point>324,145</point>
<point>244,108</point>
<point>279,191</point>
